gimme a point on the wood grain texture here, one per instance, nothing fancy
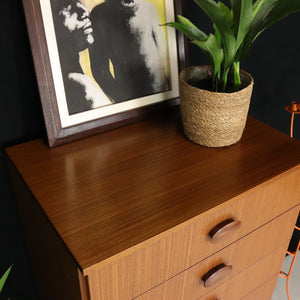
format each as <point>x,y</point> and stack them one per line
<point>193,237</point>
<point>247,251</point>
<point>132,208</point>
<point>252,281</point>
<point>263,292</point>
<point>110,192</point>
<point>84,286</point>
<point>54,269</point>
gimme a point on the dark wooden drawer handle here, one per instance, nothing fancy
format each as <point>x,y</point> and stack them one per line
<point>224,229</point>
<point>216,274</point>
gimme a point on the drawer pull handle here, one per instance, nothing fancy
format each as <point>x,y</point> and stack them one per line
<point>224,229</point>
<point>216,274</point>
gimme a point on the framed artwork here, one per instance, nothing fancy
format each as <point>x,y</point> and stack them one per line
<point>101,64</point>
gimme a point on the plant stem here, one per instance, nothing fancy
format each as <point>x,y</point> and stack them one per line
<point>236,76</point>
<point>225,80</point>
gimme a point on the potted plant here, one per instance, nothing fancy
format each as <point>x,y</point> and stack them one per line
<point>215,99</point>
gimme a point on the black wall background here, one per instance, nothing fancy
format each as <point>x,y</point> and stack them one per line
<point>274,62</point>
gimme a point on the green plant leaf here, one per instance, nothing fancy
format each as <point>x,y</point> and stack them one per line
<point>198,34</point>
<point>267,12</point>
<point>222,17</point>
<point>212,48</point>
<point>218,35</point>
<point>4,278</point>
<point>236,8</point>
<point>245,20</point>
<point>210,45</point>
<point>235,28</point>
<point>189,29</point>
<point>227,12</point>
<point>256,7</point>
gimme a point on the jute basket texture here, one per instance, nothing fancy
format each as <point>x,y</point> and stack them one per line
<point>213,119</point>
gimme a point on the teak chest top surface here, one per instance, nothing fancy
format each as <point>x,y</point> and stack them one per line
<point>111,191</point>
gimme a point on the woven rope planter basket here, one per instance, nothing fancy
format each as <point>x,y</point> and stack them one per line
<point>209,118</point>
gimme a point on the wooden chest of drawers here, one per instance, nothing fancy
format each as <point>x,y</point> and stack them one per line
<point>142,213</point>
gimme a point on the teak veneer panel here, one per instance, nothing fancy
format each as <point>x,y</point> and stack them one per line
<point>252,278</point>
<point>240,255</point>
<point>55,273</point>
<point>188,243</point>
<point>265,291</point>
<point>109,192</point>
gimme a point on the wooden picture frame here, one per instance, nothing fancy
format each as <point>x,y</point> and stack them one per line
<point>70,110</point>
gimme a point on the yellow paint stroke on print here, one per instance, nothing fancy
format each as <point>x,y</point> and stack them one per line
<point>84,57</point>
<point>160,5</point>
<point>90,4</point>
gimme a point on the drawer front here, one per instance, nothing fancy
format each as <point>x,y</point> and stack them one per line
<point>250,281</point>
<point>240,255</point>
<point>265,291</point>
<point>154,261</point>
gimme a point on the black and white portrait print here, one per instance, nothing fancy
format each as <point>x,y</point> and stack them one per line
<point>128,38</point>
<point>74,33</point>
<point>128,56</point>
